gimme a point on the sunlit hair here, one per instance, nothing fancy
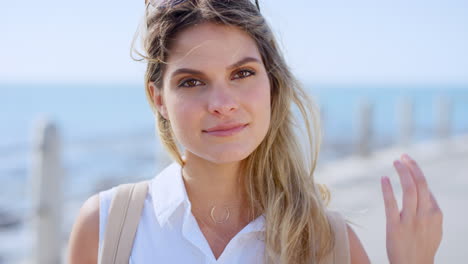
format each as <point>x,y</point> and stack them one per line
<point>279,174</point>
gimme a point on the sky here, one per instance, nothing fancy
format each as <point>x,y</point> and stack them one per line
<point>334,41</point>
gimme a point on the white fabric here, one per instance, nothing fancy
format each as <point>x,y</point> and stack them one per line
<point>168,232</point>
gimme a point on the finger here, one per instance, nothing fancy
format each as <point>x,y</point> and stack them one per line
<point>435,204</point>
<point>410,202</point>
<point>391,206</point>
<point>424,197</point>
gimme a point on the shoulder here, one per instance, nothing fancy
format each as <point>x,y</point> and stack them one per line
<point>84,237</point>
<point>357,251</point>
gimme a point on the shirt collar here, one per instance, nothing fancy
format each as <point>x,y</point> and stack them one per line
<point>168,192</point>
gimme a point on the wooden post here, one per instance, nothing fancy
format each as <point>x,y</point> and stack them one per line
<point>443,117</point>
<point>323,121</point>
<point>323,129</point>
<point>405,114</point>
<point>47,175</point>
<point>364,128</point>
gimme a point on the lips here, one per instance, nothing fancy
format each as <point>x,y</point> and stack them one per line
<point>225,130</point>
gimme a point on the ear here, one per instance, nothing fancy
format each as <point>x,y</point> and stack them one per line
<point>158,99</point>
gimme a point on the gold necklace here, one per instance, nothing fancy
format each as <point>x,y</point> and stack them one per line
<point>213,208</point>
<point>226,232</point>
<point>226,218</point>
<point>217,219</point>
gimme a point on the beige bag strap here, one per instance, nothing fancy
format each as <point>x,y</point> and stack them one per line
<point>122,223</point>
<point>340,253</point>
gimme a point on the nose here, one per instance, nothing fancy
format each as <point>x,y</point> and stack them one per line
<point>222,101</point>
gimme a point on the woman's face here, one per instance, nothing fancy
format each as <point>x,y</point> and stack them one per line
<point>216,93</point>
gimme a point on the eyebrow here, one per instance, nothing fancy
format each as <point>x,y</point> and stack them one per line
<point>197,72</point>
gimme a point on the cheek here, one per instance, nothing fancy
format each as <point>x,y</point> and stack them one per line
<point>266,106</point>
<point>259,102</point>
<point>183,115</point>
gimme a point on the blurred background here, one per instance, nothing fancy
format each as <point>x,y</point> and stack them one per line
<point>389,77</point>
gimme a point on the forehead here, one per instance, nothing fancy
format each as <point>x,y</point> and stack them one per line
<point>211,45</point>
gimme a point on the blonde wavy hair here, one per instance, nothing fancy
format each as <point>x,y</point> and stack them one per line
<point>279,175</point>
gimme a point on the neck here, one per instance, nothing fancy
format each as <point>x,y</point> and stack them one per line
<point>209,184</point>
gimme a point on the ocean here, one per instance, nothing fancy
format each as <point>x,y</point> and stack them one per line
<point>108,130</point>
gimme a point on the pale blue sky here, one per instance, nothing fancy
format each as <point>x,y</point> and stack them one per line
<point>340,41</point>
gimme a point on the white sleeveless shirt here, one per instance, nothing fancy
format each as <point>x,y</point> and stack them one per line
<point>169,233</point>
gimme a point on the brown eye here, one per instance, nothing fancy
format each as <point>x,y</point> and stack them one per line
<point>190,83</point>
<point>243,74</point>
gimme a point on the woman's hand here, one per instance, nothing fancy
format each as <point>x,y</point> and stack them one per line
<point>414,234</point>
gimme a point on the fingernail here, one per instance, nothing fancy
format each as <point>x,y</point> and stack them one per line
<point>385,179</point>
<point>397,163</point>
<point>406,157</point>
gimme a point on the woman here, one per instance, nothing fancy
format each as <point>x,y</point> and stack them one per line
<point>243,191</point>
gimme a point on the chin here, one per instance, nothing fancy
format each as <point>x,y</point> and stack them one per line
<point>229,157</point>
<point>226,154</point>
<point>225,159</point>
